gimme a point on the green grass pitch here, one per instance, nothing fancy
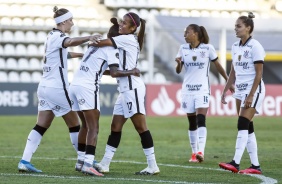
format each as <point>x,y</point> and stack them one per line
<point>56,156</point>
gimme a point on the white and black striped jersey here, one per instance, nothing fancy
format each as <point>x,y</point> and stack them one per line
<point>128,56</point>
<point>196,62</point>
<point>244,58</point>
<point>55,68</point>
<point>93,64</point>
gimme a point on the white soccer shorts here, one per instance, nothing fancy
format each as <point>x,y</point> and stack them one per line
<point>55,99</point>
<point>189,103</point>
<point>130,102</point>
<point>257,100</point>
<point>83,98</point>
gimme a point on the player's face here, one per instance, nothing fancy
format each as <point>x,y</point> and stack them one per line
<point>189,35</point>
<point>69,24</point>
<point>241,30</point>
<point>125,26</point>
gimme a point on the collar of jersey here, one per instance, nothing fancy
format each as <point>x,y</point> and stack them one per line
<point>55,29</point>
<point>240,43</point>
<point>195,47</point>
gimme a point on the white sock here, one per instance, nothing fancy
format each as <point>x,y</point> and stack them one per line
<point>32,143</point>
<point>151,159</point>
<point>89,159</point>
<point>241,143</point>
<point>253,149</point>
<point>193,138</point>
<point>74,139</point>
<point>108,156</point>
<point>81,155</point>
<point>202,134</point>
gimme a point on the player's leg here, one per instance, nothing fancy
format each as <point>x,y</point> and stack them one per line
<point>92,121</point>
<point>81,142</point>
<point>44,121</point>
<point>252,141</point>
<point>201,105</point>
<point>112,143</point>
<point>193,135</point>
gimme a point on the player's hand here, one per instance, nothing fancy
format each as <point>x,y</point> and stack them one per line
<point>248,101</point>
<point>178,60</point>
<point>223,98</point>
<point>136,72</point>
<point>95,39</point>
<point>232,89</point>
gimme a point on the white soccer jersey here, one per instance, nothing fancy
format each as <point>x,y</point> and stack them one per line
<point>128,55</point>
<point>196,62</point>
<point>55,68</point>
<point>244,58</point>
<point>93,64</point>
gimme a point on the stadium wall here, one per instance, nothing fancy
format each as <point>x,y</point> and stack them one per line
<point>161,100</point>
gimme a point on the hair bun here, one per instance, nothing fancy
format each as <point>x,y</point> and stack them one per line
<point>114,21</point>
<point>55,9</point>
<point>251,15</point>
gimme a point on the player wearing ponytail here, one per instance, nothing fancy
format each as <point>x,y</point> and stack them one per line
<point>132,90</point>
<point>246,70</point>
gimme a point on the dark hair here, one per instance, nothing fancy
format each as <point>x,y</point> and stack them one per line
<point>113,31</point>
<point>203,36</point>
<point>59,12</point>
<point>135,20</point>
<point>248,20</point>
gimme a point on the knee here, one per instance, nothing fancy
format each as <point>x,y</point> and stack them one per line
<point>201,120</point>
<point>243,123</point>
<point>192,122</point>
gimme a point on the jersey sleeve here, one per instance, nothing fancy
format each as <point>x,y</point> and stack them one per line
<point>120,41</point>
<point>112,56</point>
<point>179,53</point>
<point>258,53</point>
<point>212,53</point>
<point>59,39</point>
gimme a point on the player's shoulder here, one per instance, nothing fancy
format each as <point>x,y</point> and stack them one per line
<point>57,33</point>
<point>185,46</point>
<point>236,44</point>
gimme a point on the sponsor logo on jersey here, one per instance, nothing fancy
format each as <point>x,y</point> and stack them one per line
<point>243,64</point>
<point>46,69</point>
<point>242,87</point>
<point>200,65</point>
<point>117,55</point>
<point>84,68</point>
<point>81,101</point>
<point>194,87</point>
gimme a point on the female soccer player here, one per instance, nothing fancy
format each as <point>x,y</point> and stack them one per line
<point>246,70</point>
<point>196,56</point>
<point>53,88</point>
<point>84,92</point>
<point>130,102</point>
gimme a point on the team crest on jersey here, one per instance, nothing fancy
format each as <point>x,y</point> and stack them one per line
<point>239,57</point>
<point>202,54</point>
<point>194,58</point>
<point>81,101</point>
<point>184,105</point>
<point>246,54</point>
<point>117,55</point>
